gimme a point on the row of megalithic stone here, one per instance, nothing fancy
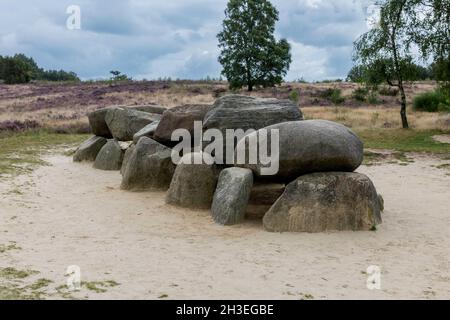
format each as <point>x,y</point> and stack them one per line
<point>314,190</point>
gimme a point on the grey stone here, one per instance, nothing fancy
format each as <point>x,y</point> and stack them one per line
<point>151,108</point>
<point>148,166</point>
<point>182,117</point>
<point>231,196</point>
<point>262,198</point>
<point>307,147</point>
<point>126,157</point>
<point>89,149</point>
<point>110,157</point>
<point>124,123</point>
<point>244,112</point>
<point>193,185</point>
<point>320,202</point>
<point>98,124</point>
<point>147,131</point>
<point>381,202</point>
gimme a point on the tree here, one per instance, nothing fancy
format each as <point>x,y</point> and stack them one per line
<point>21,69</point>
<point>250,54</point>
<point>118,76</point>
<point>430,31</point>
<point>389,42</point>
<point>378,72</point>
<point>15,71</point>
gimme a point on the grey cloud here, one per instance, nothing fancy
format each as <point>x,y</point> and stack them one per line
<point>176,38</point>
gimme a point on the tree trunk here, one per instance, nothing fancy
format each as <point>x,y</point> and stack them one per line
<point>250,87</point>
<point>403,108</point>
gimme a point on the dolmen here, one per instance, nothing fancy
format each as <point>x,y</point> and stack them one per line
<point>241,158</point>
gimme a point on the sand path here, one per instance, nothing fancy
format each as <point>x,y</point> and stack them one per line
<point>70,214</point>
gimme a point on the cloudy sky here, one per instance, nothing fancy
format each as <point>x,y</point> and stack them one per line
<point>173,38</point>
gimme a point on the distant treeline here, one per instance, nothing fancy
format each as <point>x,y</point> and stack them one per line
<point>22,69</point>
<point>376,72</point>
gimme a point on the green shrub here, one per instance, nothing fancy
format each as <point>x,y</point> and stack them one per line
<point>337,97</point>
<point>360,94</point>
<point>372,98</point>
<point>435,101</point>
<point>333,94</point>
<point>294,96</point>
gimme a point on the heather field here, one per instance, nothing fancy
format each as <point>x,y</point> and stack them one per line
<point>62,108</point>
<point>135,246</point>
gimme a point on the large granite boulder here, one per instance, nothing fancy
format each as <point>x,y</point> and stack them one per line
<point>307,147</point>
<point>110,157</point>
<point>182,117</point>
<point>241,114</point>
<point>151,108</point>
<point>193,183</point>
<point>320,202</point>
<point>124,123</point>
<point>244,112</point>
<point>262,198</point>
<point>89,149</point>
<point>97,118</point>
<point>231,196</point>
<point>126,157</point>
<point>148,166</point>
<point>98,124</point>
<point>147,131</point>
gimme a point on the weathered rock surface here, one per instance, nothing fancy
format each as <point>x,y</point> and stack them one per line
<point>126,157</point>
<point>182,117</point>
<point>262,198</point>
<point>148,166</point>
<point>152,108</point>
<point>89,149</point>
<point>231,196</point>
<point>148,131</point>
<point>309,146</point>
<point>124,123</point>
<point>98,124</point>
<point>193,185</point>
<point>244,112</point>
<point>110,157</point>
<point>332,201</point>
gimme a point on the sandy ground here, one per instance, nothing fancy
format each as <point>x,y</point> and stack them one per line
<point>444,138</point>
<point>69,214</point>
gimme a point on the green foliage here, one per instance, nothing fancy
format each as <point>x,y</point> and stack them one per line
<point>440,71</point>
<point>384,71</point>
<point>360,94</point>
<point>13,70</point>
<point>58,75</point>
<point>357,74</point>
<point>403,140</point>
<point>372,97</point>
<point>22,69</point>
<point>430,32</point>
<point>334,95</point>
<point>250,54</point>
<point>435,101</point>
<point>118,76</point>
<point>294,96</point>
<point>385,50</point>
